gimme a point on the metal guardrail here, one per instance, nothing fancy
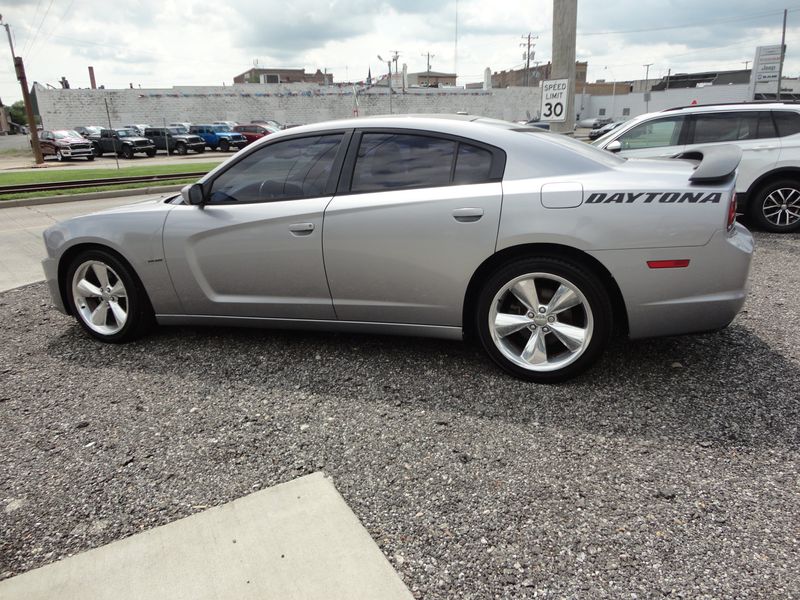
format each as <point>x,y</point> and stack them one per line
<point>83,183</point>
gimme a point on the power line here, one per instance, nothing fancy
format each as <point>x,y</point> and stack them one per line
<point>38,29</point>
<point>688,25</point>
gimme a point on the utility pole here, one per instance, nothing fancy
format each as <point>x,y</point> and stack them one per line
<point>646,84</point>
<point>528,56</point>
<point>395,56</point>
<point>783,51</point>
<point>19,67</point>
<point>428,56</point>
<point>565,22</point>
<point>745,63</point>
<point>389,65</point>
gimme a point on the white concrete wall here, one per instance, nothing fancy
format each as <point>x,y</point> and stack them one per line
<point>290,103</point>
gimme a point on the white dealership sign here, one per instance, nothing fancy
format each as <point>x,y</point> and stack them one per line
<point>554,100</point>
<point>766,66</point>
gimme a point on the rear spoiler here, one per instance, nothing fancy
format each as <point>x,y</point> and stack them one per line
<point>716,163</point>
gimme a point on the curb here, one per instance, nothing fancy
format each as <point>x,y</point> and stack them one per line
<point>91,196</point>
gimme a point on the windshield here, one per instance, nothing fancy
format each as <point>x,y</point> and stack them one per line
<point>177,130</point>
<point>66,133</point>
<point>221,128</point>
<point>126,133</point>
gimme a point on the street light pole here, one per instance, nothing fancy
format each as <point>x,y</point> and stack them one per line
<point>19,67</point>
<point>388,64</point>
<point>646,84</point>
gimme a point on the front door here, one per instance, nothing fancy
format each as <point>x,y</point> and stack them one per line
<point>255,248</point>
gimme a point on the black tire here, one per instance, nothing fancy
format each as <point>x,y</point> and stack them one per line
<point>213,148</point>
<point>152,153</point>
<point>139,312</point>
<point>201,150</point>
<point>225,145</point>
<point>98,151</point>
<point>576,275</point>
<point>180,148</point>
<point>127,152</point>
<point>768,215</point>
<point>90,157</point>
<point>60,157</point>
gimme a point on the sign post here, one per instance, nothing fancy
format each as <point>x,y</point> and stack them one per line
<point>554,100</point>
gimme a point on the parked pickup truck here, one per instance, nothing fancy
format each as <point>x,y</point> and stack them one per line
<point>175,139</point>
<point>65,144</point>
<point>123,142</point>
<point>219,136</point>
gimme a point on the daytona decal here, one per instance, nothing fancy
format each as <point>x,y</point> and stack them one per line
<point>648,197</point>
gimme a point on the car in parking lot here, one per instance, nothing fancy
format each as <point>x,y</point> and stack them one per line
<point>123,142</point>
<point>539,245</point>
<point>137,127</point>
<point>88,130</point>
<point>768,183</point>
<point>229,124</point>
<point>219,137</point>
<point>175,139</point>
<point>271,122</point>
<point>65,144</point>
<point>593,122</point>
<point>254,132</point>
<point>601,131</point>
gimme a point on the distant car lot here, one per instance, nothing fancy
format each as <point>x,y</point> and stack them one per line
<point>669,470</point>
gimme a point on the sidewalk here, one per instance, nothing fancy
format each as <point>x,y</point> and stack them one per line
<point>295,541</point>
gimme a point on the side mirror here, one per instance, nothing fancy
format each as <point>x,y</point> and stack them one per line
<point>614,146</point>
<point>193,194</point>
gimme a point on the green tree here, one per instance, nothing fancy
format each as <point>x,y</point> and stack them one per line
<point>17,112</point>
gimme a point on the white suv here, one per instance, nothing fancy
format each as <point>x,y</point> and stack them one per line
<point>768,183</point>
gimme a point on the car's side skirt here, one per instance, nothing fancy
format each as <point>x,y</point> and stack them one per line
<point>408,329</point>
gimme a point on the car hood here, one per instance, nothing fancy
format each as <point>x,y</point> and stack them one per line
<point>71,140</point>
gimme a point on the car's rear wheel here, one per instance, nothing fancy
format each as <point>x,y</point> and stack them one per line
<point>201,150</point>
<point>544,319</point>
<point>90,157</point>
<point>106,298</point>
<point>151,153</point>
<point>225,145</point>
<point>180,148</point>
<point>776,206</point>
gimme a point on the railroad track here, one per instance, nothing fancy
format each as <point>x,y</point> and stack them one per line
<point>82,183</point>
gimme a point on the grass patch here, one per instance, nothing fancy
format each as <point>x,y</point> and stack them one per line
<point>84,190</point>
<point>50,175</point>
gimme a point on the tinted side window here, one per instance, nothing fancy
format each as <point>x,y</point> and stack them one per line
<point>473,164</point>
<point>788,122</point>
<point>766,126</point>
<point>390,161</point>
<point>653,134</point>
<point>292,169</point>
<point>725,127</point>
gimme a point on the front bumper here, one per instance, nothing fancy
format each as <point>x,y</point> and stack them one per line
<point>704,296</point>
<point>150,148</point>
<point>76,152</point>
<point>50,267</point>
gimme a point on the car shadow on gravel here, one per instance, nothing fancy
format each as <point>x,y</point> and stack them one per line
<point>722,388</point>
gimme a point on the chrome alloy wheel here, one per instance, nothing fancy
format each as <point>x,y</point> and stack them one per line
<point>782,207</point>
<point>541,322</point>
<point>100,297</point>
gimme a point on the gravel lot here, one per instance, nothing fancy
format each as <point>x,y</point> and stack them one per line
<point>671,469</point>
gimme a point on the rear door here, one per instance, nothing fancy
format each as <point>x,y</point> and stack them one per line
<point>752,130</point>
<point>415,215</point>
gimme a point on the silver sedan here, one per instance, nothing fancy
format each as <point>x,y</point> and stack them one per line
<point>539,246</point>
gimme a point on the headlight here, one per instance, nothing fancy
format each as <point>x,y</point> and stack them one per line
<point>151,141</point>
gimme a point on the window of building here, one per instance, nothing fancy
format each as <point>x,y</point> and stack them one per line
<point>626,112</point>
<point>272,78</point>
<point>602,112</point>
<point>287,170</point>
<point>389,161</point>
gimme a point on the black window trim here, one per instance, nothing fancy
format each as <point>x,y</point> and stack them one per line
<point>330,185</point>
<point>496,171</point>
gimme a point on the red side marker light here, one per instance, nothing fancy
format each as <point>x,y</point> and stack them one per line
<point>668,264</point>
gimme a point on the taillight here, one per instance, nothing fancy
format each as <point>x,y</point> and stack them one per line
<point>732,212</point>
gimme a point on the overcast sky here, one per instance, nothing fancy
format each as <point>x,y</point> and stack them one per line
<point>160,43</point>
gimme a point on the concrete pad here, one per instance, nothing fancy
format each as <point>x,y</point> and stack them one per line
<point>21,246</point>
<point>297,540</point>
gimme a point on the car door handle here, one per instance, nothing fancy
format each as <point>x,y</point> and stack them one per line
<point>301,228</point>
<point>467,215</point>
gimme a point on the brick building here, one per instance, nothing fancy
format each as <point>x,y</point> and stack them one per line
<point>259,75</point>
<point>535,75</point>
<point>431,79</point>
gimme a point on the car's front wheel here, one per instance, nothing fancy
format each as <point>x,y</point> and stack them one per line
<point>180,148</point>
<point>544,319</point>
<point>225,145</point>
<point>776,206</point>
<point>106,298</point>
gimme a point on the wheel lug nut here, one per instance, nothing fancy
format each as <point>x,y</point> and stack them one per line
<point>542,309</point>
<point>530,315</point>
<point>546,329</point>
<point>550,319</point>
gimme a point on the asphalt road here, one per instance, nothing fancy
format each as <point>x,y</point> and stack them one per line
<point>669,470</point>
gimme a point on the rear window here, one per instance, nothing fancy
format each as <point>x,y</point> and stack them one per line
<point>733,126</point>
<point>473,165</point>
<point>788,122</point>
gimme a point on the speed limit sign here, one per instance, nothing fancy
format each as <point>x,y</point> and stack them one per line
<point>554,100</point>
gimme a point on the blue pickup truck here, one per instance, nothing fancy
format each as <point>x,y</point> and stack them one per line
<point>219,136</point>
